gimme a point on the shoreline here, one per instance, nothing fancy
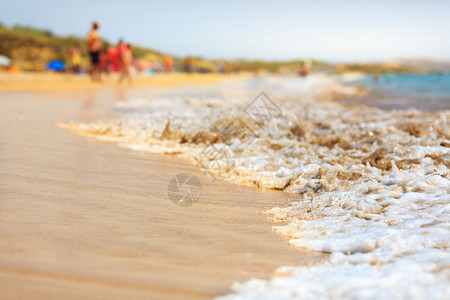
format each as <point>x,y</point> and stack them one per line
<point>52,82</point>
<point>365,173</point>
<point>85,218</point>
<point>387,102</point>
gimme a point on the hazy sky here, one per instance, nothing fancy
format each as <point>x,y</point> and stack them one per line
<point>334,30</point>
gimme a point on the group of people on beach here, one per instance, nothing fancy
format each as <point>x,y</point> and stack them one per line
<point>106,58</point>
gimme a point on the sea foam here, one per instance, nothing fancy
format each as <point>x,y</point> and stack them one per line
<point>374,184</point>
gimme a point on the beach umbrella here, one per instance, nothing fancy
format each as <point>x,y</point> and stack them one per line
<point>4,61</point>
<point>55,65</point>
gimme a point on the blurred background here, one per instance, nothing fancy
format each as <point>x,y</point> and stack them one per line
<point>232,36</point>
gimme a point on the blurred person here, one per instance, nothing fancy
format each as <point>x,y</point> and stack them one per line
<point>168,63</point>
<point>126,62</point>
<point>105,60</point>
<point>304,70</point>
<point>94,43</point>
<point>113,59</point>
<point>221,67</point>
<point>189,65</point>
<point>13,69</point>
<point>75,59</point>
<point>121,48</point>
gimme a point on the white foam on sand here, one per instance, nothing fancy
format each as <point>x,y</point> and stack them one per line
<point>374,185</point>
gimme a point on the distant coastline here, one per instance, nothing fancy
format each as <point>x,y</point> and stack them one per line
<point>32,48</point>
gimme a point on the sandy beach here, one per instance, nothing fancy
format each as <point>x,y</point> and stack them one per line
<point>83,219</point>
<point>62,82</point>
<point>224,150</point>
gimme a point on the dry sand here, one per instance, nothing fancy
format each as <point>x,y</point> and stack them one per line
<point>55,81</point>
<point>80,219</point>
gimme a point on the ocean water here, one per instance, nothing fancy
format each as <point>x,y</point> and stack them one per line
<point>374,184</point>
<point>426,86</point>
<point>429,92</point>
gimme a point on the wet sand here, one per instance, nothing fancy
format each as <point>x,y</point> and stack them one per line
<point>82,219</point>
<point>399,103</point>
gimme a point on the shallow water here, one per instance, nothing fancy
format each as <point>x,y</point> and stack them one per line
<point>426,92</point>
<point>425,86</point>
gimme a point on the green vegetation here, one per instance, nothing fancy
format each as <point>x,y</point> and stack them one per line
<point>31,48</point>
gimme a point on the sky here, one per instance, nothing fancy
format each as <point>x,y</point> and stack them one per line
<point>330,30</point>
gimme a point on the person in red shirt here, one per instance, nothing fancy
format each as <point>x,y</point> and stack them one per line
<point>104,60</point>
<point>121,48</point>
<point>113,59</point>
<point>126,63</point>
<point>168,63</point>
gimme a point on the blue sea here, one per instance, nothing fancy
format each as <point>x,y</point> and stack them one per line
<point>428,92</point>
